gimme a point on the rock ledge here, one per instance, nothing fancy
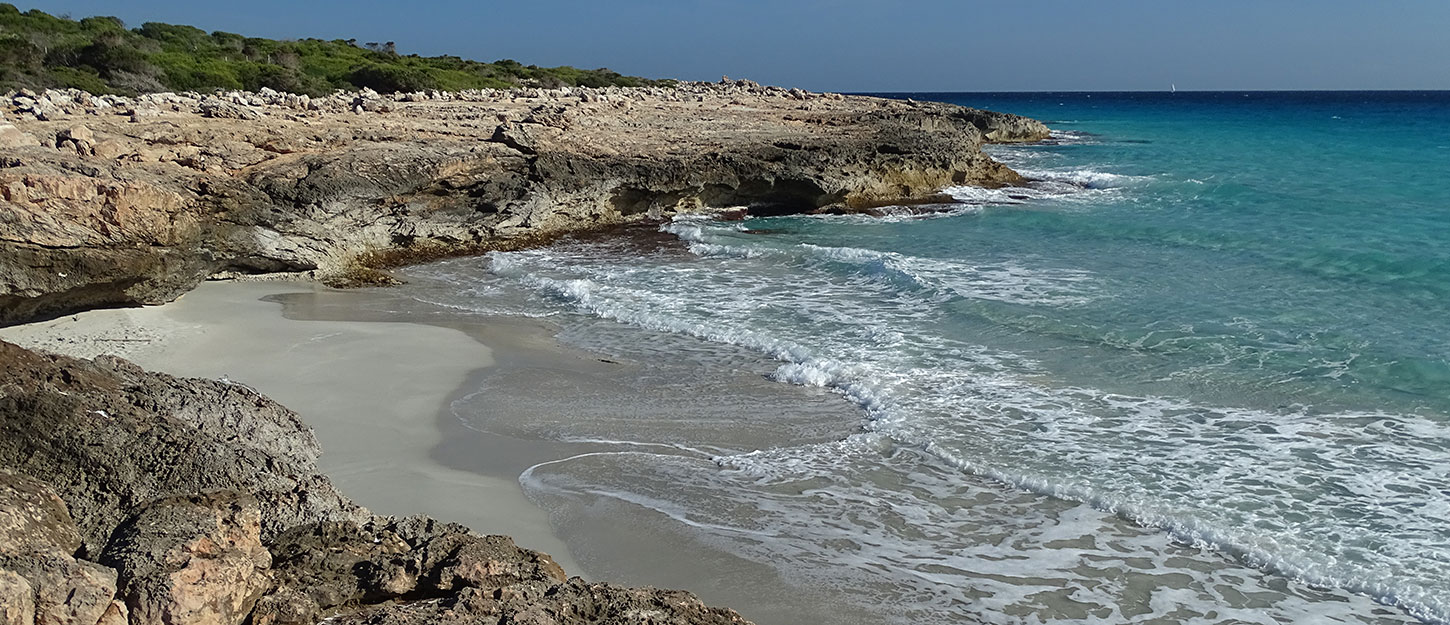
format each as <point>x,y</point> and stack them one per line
<point>108,201</point>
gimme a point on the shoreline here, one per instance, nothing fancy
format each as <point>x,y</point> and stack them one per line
<point>383,462</point>
<point>136,201</point>
<point>431,462</point>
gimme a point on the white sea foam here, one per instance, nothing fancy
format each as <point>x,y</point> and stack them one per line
<point>1047,185</point>
<point>1005,282</point>
<point>1084,178</point>
<point>898,533</point>
<point>1263,487</point>
<point>1070,137</point>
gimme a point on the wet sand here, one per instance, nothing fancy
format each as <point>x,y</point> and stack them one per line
<point>371,391</point>
<point>425,410</point>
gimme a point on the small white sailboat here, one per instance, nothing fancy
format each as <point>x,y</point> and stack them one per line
<point>1172,88</point>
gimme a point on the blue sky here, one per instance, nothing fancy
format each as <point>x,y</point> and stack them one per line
<point>873,45</point>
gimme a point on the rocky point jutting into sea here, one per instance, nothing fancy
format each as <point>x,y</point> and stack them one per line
<point>113,201</point>
<point>139,497</point>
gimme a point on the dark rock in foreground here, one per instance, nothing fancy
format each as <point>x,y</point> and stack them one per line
<point>136,497</point>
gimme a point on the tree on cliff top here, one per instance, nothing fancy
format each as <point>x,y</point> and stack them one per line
<point>100,55</point>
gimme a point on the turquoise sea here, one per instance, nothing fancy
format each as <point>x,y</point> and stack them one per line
<point>1197,371</point>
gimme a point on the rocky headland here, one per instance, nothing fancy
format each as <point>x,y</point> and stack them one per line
<point>108,201</point>
<point>136,497</point>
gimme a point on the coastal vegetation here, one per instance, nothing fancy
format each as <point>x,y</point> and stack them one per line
<point>101,55</point>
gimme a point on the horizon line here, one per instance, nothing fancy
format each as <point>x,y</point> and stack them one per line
<point>1159,91</point>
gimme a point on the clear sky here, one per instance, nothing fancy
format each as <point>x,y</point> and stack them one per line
<point>875,45</point>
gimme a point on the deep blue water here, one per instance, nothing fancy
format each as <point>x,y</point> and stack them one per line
<point>1197,371</point>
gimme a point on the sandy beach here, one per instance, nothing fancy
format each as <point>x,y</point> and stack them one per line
<point>387,384</point>
<point>370,390</point>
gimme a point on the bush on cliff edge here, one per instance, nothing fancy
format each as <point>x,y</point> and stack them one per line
<point>100,55</point>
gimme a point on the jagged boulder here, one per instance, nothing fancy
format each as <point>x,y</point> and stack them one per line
<point>575,602</point>
<point>33,517</point>
<point>41,582</point>
<point>12,137</point>
<point>342,563</point>
<point>109,437</point>
<point>18,604</point>
<point>194,560</point>
<point>221,109</point>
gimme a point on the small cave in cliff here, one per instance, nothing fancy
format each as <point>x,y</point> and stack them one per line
<point>770,198</point>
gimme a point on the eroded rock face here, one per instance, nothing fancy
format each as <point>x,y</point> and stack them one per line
<point>135,497</point>
<point>67,591</point>
<point>109,437</point>
<point>575,602</point>
<point>40,580</point>
<point>325,565</point>
<point>149,195</point>
<point>33,518</point>
<point>18,605</point>
<point>195,560</point>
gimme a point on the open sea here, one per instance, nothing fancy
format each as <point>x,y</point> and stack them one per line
<point>1197,371</point>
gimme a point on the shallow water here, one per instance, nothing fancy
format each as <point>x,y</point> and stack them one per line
<point>1195,372</point>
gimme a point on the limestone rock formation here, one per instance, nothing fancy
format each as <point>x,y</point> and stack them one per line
<point>134,200</point>
<point>575,602</point>
<point>18,606</point>
<point>40,581</point>
<point>196,559</point>
<point>140,498</point>
<point>109,437</point>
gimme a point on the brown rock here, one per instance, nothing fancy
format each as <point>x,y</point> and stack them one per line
<point>12,137</point>
<point>37,538</point>
<point>286,606</point>
<point>78,133</point>
<point>66,591</point>
<point>191,561</point>
<point>116,614</point>
<point>33,517</point>
<point>343,563</point>
<point>17,599</point>
<point>575,602</point>
<point>110,149</point>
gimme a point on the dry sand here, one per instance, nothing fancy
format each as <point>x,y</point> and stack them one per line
<point>382,379</point>
<point>372,390</point>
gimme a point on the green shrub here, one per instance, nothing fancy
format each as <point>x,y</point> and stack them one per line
<point>77,78</point>
<point>391,78</point>
<point>182,37</point>
<point>20,54</point>
<point>40,50</point>
<point>111,53</point>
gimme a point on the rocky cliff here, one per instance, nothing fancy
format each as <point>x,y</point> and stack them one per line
<point>109,201</point>
<point>135,497</point>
